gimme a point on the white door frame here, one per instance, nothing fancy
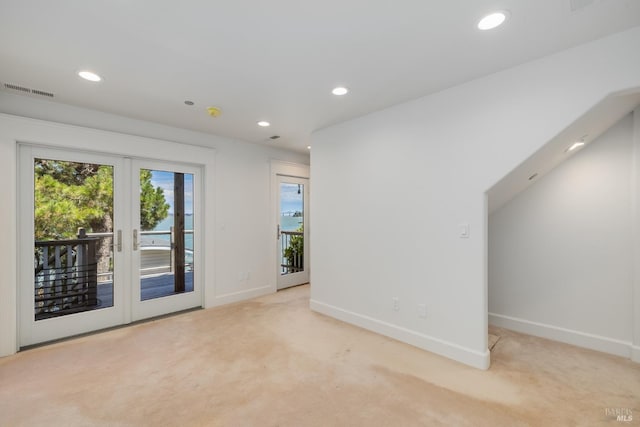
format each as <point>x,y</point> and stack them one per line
<point>295,170</point>
<point>292,279</point>
<point>32,331</point>
<point>127,306</point>
<point>15,130</point>
<point>171,303</point>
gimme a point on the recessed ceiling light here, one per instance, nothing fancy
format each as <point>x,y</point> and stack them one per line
<point>339,91</point>
<point>264,124</point>
<point>492,20</point>
<point>575,146</point>
<point>308,147</point>
<point>88,75</point>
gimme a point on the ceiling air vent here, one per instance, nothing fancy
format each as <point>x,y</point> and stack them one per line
<point>16,87</point>
<point>41,93</point>
<point>26,90</point>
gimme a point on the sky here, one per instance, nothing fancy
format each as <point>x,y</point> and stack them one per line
<point>164,180</point>
<point>290,200</point>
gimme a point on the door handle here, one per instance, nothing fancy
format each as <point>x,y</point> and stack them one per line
<point>119,241</point>
<point>135,240</point>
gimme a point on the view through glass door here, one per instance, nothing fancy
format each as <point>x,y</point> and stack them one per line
<point>293,253</point>
<point>91,222</point>
<point>164,237</point>
<point>71,257</point>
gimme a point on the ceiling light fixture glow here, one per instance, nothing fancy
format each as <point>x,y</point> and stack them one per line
<point>308,147</point>
<point>492,20</point>
<point>339,91</point>
<point>88,75</point>
<point>263,123</point>
<point>575,146</point>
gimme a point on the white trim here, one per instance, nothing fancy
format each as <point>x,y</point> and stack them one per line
<point>476,359</point>
<point>569,336</point>
<point>242,295</point>
<point>635,353</point>
<point>9,260</point>
<point>635,234</point>
<point>485,272</point>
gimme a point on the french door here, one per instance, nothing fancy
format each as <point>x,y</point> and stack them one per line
<point>104,241</point>
<point>164,255</point>
<point>293,220</point>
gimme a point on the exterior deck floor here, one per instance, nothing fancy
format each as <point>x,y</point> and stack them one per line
<point>154,286</point>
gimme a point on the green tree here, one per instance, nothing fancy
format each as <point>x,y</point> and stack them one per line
<point>153,206</point>
<point>294,253</point>
<point>69,195</point>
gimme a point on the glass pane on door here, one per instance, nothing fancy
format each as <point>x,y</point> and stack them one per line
<point>166,236</point>
<point>291,228</point>
<point>73,228</point>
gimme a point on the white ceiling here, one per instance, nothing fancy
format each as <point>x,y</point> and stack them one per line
<point>278,60</point>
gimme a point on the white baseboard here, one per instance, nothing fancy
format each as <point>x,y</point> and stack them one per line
<point>242,295</point>
<point>569,336</point>
<point>476,359</point>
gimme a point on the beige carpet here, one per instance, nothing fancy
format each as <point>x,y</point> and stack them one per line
<point>273,362</point>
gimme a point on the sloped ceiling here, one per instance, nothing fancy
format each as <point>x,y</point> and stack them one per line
<point>587,128</point>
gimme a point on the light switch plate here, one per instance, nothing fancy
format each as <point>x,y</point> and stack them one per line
<point>464,230</point>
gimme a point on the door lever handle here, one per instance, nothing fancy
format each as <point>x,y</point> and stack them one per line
<point>119,241</point>
<point>135,240</point>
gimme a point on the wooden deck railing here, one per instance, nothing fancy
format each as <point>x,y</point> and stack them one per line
<point>65,277</point>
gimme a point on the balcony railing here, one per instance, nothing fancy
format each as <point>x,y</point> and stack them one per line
<point>158,257</point>
<point>292,259</point>
<point>65,277</point>
<point>68,272</point>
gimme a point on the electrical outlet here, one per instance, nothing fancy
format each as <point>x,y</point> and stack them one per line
<point>422,311</point>
<point>395,303</point>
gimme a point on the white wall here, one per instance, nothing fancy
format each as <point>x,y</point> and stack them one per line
<point>560,253</point>
<point>391,188</point>
<point>238,217</point>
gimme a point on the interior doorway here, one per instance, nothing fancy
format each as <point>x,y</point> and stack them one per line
<point>292,233</point>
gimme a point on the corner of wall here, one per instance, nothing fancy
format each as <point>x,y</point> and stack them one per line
<point>635,197</point>
<point>473,358</point>
<point>8,260</point>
